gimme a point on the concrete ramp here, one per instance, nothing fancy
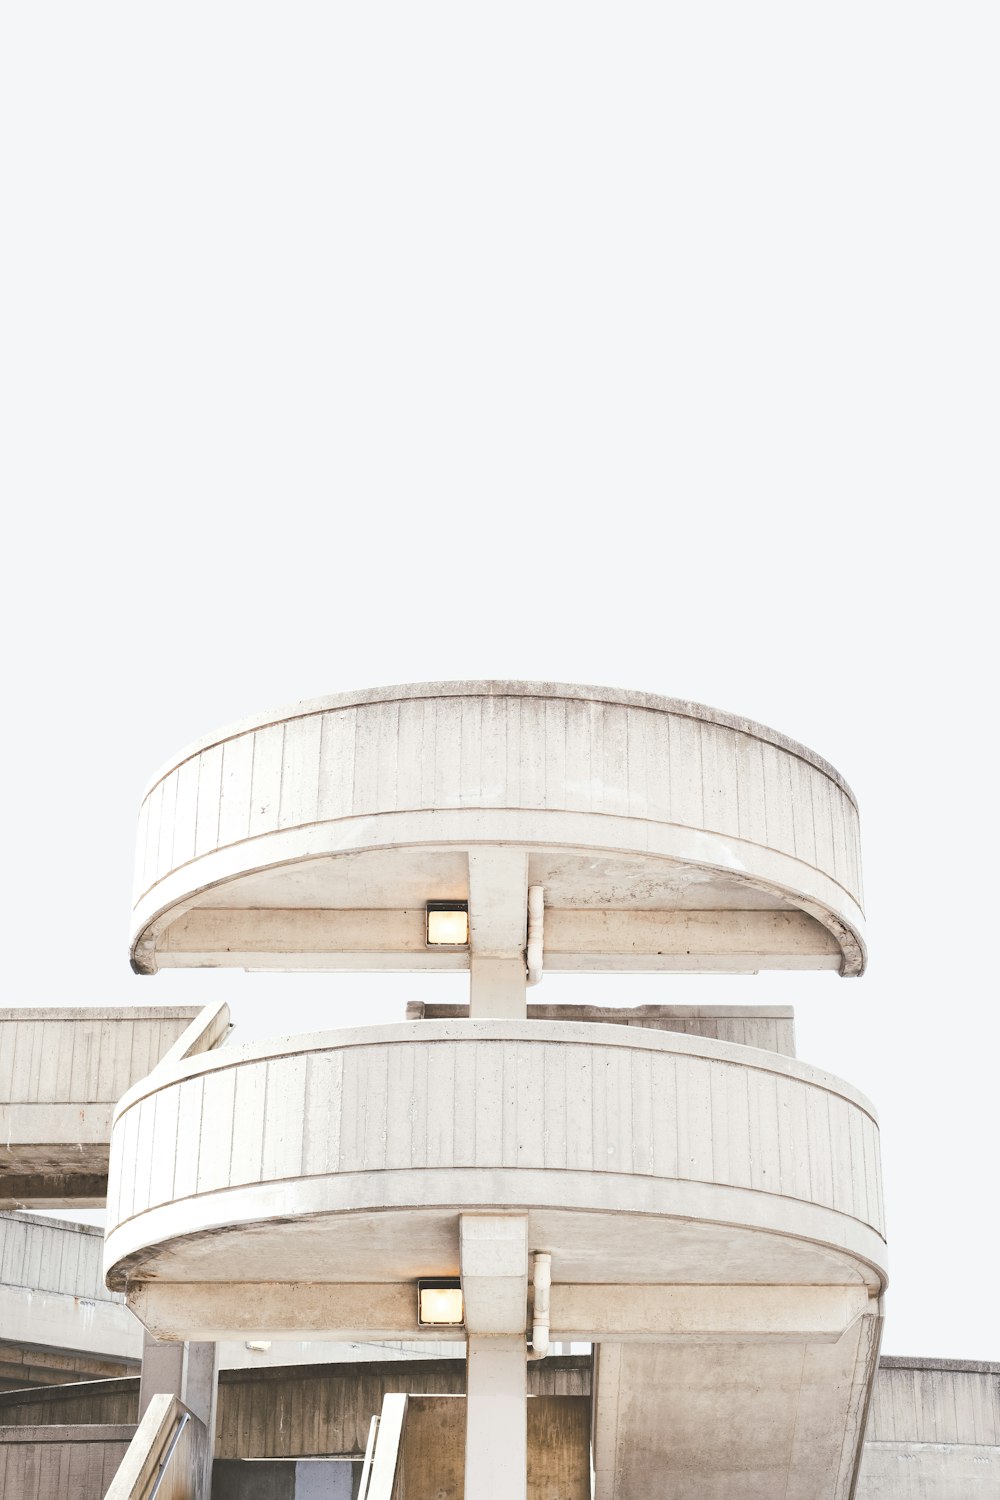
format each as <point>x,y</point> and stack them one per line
<point>61,1074</point>
<point>733,1421</point>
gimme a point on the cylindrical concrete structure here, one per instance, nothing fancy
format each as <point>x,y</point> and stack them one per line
<point>347,1156</point>
<point>666,834</point>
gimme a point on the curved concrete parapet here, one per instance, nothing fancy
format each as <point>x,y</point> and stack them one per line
<point>934,1431</point>
<point>343,1161</point>
<point>665,834</point>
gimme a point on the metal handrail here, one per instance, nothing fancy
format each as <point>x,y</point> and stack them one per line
<point>386,1448</point>
<point>366,1467</point>
<point>168,1455</point>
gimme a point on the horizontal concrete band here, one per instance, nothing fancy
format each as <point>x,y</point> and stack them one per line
<point>117,1432</point>
<point>38,1127</point>
<point>431,1115</point>
<point>634,1314</point>
<point>770,871</point>
<point>455,1190</point>
<point>947,1366</point>
<point>589,940</point>
<point>928,1471</point>
<point>54,1320</point>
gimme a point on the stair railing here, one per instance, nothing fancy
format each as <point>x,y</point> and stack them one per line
<point>166,1458</point>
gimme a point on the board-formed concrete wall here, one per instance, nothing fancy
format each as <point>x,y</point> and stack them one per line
<point>934,1427</point>
<point>53,1255</point>
<point>57,1318</point>
<point>62,1071</point>
<point>301,1411</point>
<point>432,1456</point>
<point>933,1432</point>
<point>53,1463</point>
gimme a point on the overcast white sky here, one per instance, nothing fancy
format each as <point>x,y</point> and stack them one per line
<point>649,345</point>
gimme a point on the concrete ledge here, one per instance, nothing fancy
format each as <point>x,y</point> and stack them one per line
<point>769,1027</point>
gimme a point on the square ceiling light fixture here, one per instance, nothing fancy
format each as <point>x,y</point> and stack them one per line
<point>439,1303</point>
<point>447,924</point>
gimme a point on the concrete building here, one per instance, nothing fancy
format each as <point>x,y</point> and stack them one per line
<point>667,1187</point>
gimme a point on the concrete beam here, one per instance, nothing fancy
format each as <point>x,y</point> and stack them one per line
<point>494,1283</point>
<point>56,1190</point>
<point>22,1365</point>
<point>77,1324</point>
<point>757,935</point>
<point>493,1250</point>
<point>354,1312</point>
<point>662,1314</point>
<point>576,941</point>
<point>498,919</point>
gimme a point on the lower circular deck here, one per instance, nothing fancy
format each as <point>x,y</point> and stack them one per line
<point>639,1158</point>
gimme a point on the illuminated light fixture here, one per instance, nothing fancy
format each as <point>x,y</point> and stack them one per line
<point>447,924</point>
<point>439,1304</point>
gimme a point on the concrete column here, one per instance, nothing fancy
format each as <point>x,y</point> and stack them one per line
<point>498,922</point>
<point>188,1371</point>
<point>201,1385</point>
<point>162,1370</point>
<point>496,1433</point>
<point>493,1251</point>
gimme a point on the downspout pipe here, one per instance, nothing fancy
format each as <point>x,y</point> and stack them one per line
<point>542,1281</point>
<point>536,933</point>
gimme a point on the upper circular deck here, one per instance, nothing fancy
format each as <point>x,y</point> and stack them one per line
<point>666,835</point>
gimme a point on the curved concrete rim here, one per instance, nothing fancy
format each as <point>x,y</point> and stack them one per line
<point>331,1199</point>
<point>587,1033</point>
<point>499,688</point>
<point>805,886</point>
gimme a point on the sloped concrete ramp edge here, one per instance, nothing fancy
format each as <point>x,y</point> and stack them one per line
<point>736,1421</point>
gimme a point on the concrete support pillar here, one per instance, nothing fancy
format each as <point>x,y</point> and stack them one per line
<point>496,1433</point>
<point>494,1261</point>
<point>498,923</point>
<point>188,1371</point>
